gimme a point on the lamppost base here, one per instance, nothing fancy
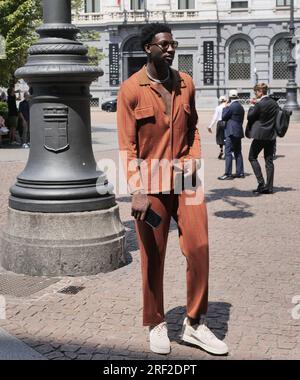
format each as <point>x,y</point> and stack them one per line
<point>63,244</point>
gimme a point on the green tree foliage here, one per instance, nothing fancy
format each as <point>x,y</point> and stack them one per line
<point>76,5</point>
<point>3,109</point>
<point>94,54</point>
<point>18,20</point>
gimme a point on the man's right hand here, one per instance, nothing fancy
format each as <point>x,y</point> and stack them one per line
<point>140,205</point>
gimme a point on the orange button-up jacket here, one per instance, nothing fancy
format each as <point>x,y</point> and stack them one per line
<point>146,132</point>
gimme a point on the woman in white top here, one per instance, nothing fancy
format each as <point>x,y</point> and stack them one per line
<point>217,119</point>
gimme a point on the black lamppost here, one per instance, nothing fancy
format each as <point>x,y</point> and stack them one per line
<point>61,217</point>
<point>291,88</point>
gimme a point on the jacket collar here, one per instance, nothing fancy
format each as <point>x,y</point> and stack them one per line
<point>263,97</point>
<point>144,80</point>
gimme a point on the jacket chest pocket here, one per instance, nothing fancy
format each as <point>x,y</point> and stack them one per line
<point>144,115</point>
<point>145,120</point>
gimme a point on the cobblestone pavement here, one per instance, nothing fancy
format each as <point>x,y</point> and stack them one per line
<point>254,273</point>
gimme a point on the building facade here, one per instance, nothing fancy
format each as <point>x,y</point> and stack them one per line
<point>223,44</point>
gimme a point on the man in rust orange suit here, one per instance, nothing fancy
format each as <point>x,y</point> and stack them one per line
<point>157,132</point>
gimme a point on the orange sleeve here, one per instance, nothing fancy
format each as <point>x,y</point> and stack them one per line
<point>127,136</point>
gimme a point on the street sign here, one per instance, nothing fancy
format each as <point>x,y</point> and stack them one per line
<point>114,65</point>
<point>208,64</point>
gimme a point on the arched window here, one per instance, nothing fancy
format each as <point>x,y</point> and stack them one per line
<point>239,60</point>
<point>281,53</point>
<point>133,45</point>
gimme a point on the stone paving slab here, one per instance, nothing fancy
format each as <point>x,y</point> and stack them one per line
<point>254,275</point>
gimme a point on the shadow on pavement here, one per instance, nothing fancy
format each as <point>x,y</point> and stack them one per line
<point>97,143</point>
<point>226,194</point>
<point>234,214</point>
<point>230,196</point>
<point>217,316</point>
<point>94,348</point>
<point>283,189</point>
<point>53,349</point>
<point>124,199</point>
<point>100,129</point>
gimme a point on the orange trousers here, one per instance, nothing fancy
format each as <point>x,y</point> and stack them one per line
<point>193,239</point>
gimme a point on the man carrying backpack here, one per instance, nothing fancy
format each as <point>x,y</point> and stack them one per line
<point>261,127</point>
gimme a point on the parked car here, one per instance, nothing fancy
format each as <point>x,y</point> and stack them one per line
<point>109,105</point>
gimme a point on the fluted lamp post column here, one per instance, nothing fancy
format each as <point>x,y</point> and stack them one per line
<point>62,218</point>
<point>292,88</point>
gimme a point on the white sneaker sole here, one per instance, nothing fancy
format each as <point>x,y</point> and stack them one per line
<point>160,350</point>
<point>212,350</point>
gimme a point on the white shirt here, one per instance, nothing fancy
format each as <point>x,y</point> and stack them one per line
<point>217,115</point>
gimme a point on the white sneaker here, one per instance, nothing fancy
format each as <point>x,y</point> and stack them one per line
<point>201,336</point>
<point>159,340</point>
<point>25,146</point>
<point>4,131</point>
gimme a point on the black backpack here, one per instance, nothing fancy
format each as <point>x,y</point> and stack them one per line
<point>282,121</point>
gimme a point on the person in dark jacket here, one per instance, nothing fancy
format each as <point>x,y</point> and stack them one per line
<point>25,119</point>
<point>233,114</point>
<point>261,126</point>
<point>13,115</point>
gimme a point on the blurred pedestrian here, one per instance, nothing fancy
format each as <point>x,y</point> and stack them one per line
<point>13,116</point>
<point>25,119</point>
<point>261,125</point>
<point>233,114</point>
<point>217,119</point>
<point>3,97</point>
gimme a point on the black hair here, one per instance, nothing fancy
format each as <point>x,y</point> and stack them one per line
<point>148,32</point>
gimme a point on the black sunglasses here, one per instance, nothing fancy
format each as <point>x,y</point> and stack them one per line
<point>164,45</point>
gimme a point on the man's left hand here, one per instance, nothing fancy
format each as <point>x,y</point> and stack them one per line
<point>190,168</point>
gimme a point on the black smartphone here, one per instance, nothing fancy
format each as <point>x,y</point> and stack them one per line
<point>152,218</point>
